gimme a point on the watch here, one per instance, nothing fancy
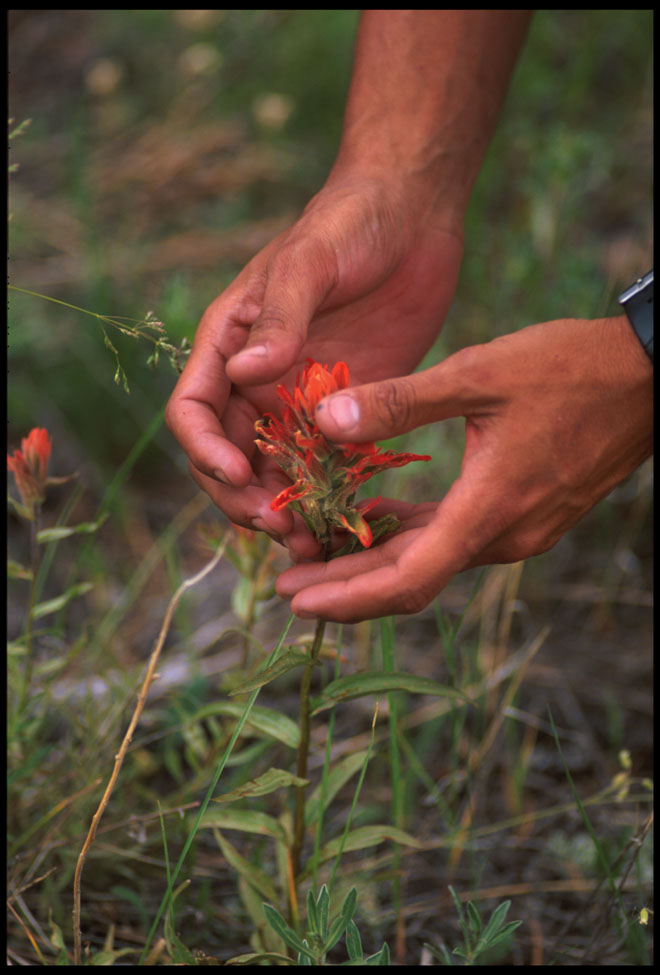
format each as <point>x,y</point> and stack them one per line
<point>637,302</point>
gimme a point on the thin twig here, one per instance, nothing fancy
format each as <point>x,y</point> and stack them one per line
<point>119,757</point>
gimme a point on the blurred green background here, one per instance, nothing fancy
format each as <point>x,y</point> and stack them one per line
<point>167,146</point>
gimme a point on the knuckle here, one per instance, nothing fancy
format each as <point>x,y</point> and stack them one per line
<point>274,318</point>
<point>394,402</point>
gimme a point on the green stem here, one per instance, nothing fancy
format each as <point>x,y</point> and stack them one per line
<point>303,748</point>
<point>29,637</point>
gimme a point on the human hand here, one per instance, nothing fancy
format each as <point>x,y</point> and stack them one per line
<point>365,276</point>
<point>556,414</point>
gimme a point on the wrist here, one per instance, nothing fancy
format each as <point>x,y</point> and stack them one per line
<point>628,352</point>
<point>425,95</point>
<point>432,199</point>
<point>637,301</point>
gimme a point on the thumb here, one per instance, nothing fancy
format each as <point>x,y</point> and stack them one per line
<point>299,276</point>
<point>378,411</point>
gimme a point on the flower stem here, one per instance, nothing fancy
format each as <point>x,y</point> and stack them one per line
<point>303,747</point>
<point>29,638</point>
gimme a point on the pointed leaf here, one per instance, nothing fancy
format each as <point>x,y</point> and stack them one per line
<point>53,605</point>
<point>323,908</point>
<point>294,657</point>
<point>504,933</point>
<point>246,820</point>
<point>274,778</point>
<point>381,957</point>
<point>440,954</point>
<point>304,959</point>
<point>254,875</point>
<point>17,571</point>
<point>461,915</point>
<point>496,920</point>
<point>266,721</point>
<point>337,778</point>
<point>353,941</point>
<point>179,953</point>
<point>474,918</point>
<point>359,685</point>
<point>312,914</point>
<point>279,925</point>
<point>254,957</point>
<point>365,836</point>
<point>65,531</point>
<point>337,929</point>
<point>350,902</point>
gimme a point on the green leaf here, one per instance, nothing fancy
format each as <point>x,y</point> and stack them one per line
<point>274,778</point>
<point>19,508</point>
<point>440,954</point>
<point>254,957</point>
<point>323,909</point>
<point>350,902</point>
<point>337,929</point>
<point>65,531</point>
<point>249,754</point>
<point>505,932</point>
<point>461,915</point>
<point>496,920</point>
<point>279,925</point>
<point>359,685</point>
<point>337,778</point>
<point>53,605</point>
<point>353,941</point>
<point>294,657</point>
<point>304,959</point>
<point>246,820</point>
<point>57,940</point>
<point>365,836</point>
<point>254,875</point>
<point>110,957</point>
<point>179,954</point>
<point>381,957</point>
<point>312,913</point>
<point>474,918</point>
<point>266,721</point>
<point>17,571</point>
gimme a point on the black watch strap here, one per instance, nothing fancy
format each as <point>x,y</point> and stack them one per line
<point>637,302</point>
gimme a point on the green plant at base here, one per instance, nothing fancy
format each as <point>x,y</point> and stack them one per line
<point>477,937</point>
<point>321,936</point>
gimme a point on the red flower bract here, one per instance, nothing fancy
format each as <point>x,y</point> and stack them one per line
<point>30,467</point>
<point>325,475</point>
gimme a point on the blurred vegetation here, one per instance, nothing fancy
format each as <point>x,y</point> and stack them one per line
<point>164,149</point>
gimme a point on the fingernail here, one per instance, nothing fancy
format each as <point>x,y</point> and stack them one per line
<point>256,351</point>
<point>344,411</point>
<point>220,475</point>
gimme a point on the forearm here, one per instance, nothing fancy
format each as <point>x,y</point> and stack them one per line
<point>425,96</point>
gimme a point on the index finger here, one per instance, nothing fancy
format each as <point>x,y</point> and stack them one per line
<point>194,409</point>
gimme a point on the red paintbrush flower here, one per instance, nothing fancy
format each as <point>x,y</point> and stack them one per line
<point>325,475</point>
<point>30,467</point>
